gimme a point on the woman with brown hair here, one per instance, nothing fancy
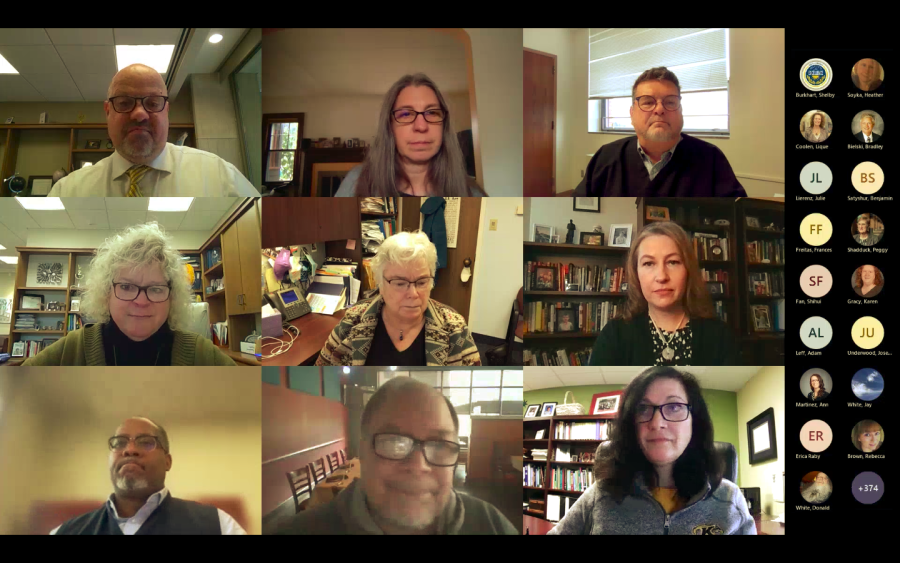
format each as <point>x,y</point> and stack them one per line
<point>867,281</point>
<point>817,129</point>
<point>416,151</point>
<point>817,384</point>
<point>669,317</point>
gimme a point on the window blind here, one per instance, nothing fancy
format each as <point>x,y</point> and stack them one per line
<point>617,56</point>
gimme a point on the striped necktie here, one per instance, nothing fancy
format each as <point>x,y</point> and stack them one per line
<point>135,174</point>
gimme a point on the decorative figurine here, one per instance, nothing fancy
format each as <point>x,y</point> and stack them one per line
<point>570,236</point>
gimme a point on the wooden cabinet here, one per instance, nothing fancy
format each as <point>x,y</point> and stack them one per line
<point>241,264</point>
<point>338,218</point>
<point>290,220</point>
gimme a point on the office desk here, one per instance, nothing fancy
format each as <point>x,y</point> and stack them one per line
<point>314,330</point>
<point>536,526</point>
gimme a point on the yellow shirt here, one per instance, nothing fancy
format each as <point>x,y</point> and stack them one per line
<point>668,498</point>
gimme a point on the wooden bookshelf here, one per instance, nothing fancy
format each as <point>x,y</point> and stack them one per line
<point>368,216</point>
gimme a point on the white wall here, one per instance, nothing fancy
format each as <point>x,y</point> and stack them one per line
<point>764,390</point>
<point>755,147</point>
<point>557,211</point>
<point>7,286</point>
<point>497,61</point>
<point>74,238</point>
<point>215,120</point>
<point>498,266</point>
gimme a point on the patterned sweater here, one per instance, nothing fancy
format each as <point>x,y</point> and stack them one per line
<point>448,341</point>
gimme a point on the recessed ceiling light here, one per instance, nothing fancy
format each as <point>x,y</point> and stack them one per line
<point>41,203</point>
<point>215,38</point>
<point>393,368</point>
<point>346,369</point>
<point>156,57</point>
<point>6,68</point>
<point>170,203</point>
<point>9,259</point>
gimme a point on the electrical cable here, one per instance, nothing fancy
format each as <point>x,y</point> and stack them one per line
<point>281,346</point>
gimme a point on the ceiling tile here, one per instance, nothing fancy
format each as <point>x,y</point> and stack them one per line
<point>573,379</point>
<point>14,88</point>
<point>200,220</point>
<point>55,87</point>
<point>81,36</point>
<point>89,219</point>
<point>11,239</point>
<point>57,219</point>
<point>127,203</point>
<point>147,36</point>
<point>23,36</point>
<point>84,203</point>
<point>80,59</point>
<point>15,217</point>
<point>34,59</point>
<point>122,219</point>
<point>93,87</point>
<point>213,203</point>
<point>171,221</point>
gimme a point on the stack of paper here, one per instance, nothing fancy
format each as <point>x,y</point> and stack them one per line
<point>539,455</point>
<point>372,236</point>
<point>220,332</point>
<point>372,205</point>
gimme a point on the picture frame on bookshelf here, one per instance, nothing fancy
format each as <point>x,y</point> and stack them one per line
<point>18,349</point>
<point>532,411</point>
<point>544,278</point>
<point>565,320</point>
<point>554,239</point>
<point>606,403</point>
<point>762,318</point>
<point>547,409</point>
<point>753,222</point>
<point>591,239</point>
<point>589,204</point>
<point>620,235</point>
<point>656,213</point>
<point>32,302</point>
<point>75,306</point>
<point>541,233</point>
<point>761,437</point>
<point>715,288</point>
<point>539,434</point>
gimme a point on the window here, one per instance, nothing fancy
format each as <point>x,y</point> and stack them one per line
<point>697,56</point>
<point>283,133</point>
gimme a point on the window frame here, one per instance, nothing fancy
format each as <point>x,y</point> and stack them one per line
<point>604,114</point>
<point>268,120</point>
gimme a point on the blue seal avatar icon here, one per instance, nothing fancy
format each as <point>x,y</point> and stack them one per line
<point>815,74</point>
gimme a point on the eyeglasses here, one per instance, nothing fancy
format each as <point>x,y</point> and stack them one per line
<point>673,412</point>
<point>396,447</point>
<point>408,115</point>
<point>125,104</point>
<point>144,442</point>
<point>421,284</point>
<point>648,103</point>
<point>130,292</point>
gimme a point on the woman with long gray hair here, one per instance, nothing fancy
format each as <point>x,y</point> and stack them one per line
<point>415,150</point>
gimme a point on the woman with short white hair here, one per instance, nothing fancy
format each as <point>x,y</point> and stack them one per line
<point>138,294</point>
<point>402,326</point>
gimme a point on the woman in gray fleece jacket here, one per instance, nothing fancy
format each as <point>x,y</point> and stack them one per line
<point>660,474</point>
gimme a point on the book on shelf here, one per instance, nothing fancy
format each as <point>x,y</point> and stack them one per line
<point>766,284</point>
<point>721,313</point>
<point>533,475</point>
<point>778,314</point>
<point>571,479</point>
<point>34,347</point>
<point>75,322</point>
<point>569,277</point>
<point>213,257</point>
<point>559,357</point>
<point>558,506</point>
<point>766,252</point>
<point>376,205</point>
<point>585,316</point>
<point>709,246</point>
<point>587,430</point>
<point>716,276</point>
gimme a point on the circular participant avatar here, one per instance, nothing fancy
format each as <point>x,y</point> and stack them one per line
<point>867,74</point>
<point>815,75</point>
<point>816,436</point>
<point>867,126</point>
<point>867,384</point>
<point>815,384</point>
<point>816,178</point>
<point>867,281</point>
<point>815,229</point>
<point>815,487</point>
<point>815,126</point>
<point>867,177</point>
<point>867,229</point>
<point>867,436</point>
<point>816,281</point>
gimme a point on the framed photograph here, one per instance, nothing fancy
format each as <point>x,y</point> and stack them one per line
<point>539,434</point>
<point>565,320</point>
<point>554,239</point>
<point>606,403</point>
<point>40,185</point>
<point>32,302</point>
<point>753,222</point>
<point>541,233</point>
<point>591,239</point>
<point>657,213</point>
<point>544,278</point>
<point>761,437</point>
<point>76,305</point>
<point>620,235</point>
<point>18,349</point>
<point>92,144</point>
<point>532,411</point>
<point>762,318</point>
<point>589,204</point>
<point>547,409</point>
<point>336,142</point>
<point>715,288</point>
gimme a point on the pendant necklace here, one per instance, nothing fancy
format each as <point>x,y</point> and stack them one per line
<point>668,353</point>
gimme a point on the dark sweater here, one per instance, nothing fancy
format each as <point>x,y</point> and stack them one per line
<point>697,169</point>
<point>173,517</point>
<point>622,343</point>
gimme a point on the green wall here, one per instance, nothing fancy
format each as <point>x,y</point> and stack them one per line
<point>722,407</point>
<point>271,375</point>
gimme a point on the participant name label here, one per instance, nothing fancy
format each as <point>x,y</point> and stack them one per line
<point>864,95</point>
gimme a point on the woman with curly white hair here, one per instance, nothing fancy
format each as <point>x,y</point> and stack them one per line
<point>403,326</point>
<point>139,297</point>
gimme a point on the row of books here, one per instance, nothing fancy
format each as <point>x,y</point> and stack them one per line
<point>769,284</point>
<point>533,475</point>
<point>34,347</point>
<point>588,430</point>
<point>25,321</point>
<point>213,257</point>
<point>721,312</point>
<point>565,479</point>
<point>377,205</point>
<point>560,357</point>
<point>708,246</point>
<point>547,276</point>
<point>766,251</point>
<point>583,317</point>
<point>220,333</point>
<point>75,322</point>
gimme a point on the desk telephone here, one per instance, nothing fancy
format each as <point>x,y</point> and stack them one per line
<point>290,302</point>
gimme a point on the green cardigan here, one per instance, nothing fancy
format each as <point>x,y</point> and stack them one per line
<point>84,347</point>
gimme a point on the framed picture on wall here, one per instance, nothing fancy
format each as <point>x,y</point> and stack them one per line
<point>590,204</point>
<point>33,302</point>
<point>606,403</point>
<point>761,437</point>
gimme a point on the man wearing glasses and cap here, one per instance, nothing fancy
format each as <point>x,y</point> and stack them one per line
<point>659,160</point>
<point>144,163</point>
<point>408,452</point>
<point>141,504</point>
